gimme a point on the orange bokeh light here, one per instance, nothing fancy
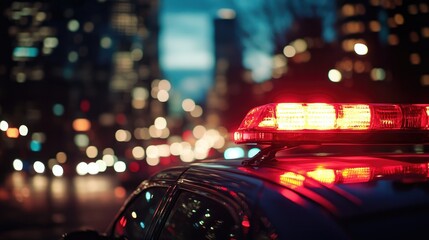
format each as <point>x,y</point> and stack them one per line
<point>81,124</point>
<point>12,132</point>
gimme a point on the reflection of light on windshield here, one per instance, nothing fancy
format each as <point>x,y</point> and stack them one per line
<point>148,196</point>
<point>123,221</point>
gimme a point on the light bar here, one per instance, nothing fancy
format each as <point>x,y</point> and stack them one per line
<point>298,123</point>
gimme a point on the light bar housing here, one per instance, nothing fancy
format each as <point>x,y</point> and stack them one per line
<point>307,123</point>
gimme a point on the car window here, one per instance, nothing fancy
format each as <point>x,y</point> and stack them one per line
<point>134,222</point>
<point>198,217</point>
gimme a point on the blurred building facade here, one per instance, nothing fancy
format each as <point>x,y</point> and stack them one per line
<point>396,34</point>
<point>86,82</point>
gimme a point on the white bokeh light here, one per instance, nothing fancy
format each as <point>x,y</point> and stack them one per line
<point>39,167</point>
<point>18,165</point>
<point>57,170</point>
<point>360,49</point>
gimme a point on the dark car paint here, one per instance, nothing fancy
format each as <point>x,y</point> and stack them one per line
<point>315,210</point>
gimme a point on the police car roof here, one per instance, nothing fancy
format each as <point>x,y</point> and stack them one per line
<point>346,186</point>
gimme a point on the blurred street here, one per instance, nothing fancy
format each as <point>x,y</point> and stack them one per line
<point>40,207</point>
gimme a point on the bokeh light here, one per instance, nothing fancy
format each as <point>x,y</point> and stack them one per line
<point>73,25</point>
<point>12,132</point>
<point>102,166</point>
<point>109,159</point>
<point>360,49</point>
<point>81,140</point>
<point>58,109</point>
<point>39,167</point>
<point>120,166</point>
<point>91,152</point>
<point>35,146</point>
<point>82,168</point>
<point>4,125</point>
<point>81,125</point>
<point>334,75</point>
<point>188,105</point>
<point>18,165</point>
<point>123,135</point>
<point>138,153</point>
<point>160,123</point>
<point>57,171</point>
<point>23,130</point>
<point>61,157</point>
<point>289,51</point>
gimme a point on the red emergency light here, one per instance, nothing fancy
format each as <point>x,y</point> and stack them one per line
<point>300,123</point>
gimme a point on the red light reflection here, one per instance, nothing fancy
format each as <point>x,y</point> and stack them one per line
<point>246,224</point>
<point>355,175</point>
<point>123,221</point>
<point>292,180</point>
<point>365,173</point>
<point>323,175</point>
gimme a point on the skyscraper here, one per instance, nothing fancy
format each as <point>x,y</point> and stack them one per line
<point>395,34</point>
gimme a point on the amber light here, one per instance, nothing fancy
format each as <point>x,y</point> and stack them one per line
<point>354,116</point>
<point>347,175</point>
<point>323,175</point>
<point>292,179</point>
<point>294,116</point>
<point>355,175</point>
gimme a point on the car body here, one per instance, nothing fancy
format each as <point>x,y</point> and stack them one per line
<point>317,189</point>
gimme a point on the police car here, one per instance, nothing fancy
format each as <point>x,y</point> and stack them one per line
<point>325,171</point>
